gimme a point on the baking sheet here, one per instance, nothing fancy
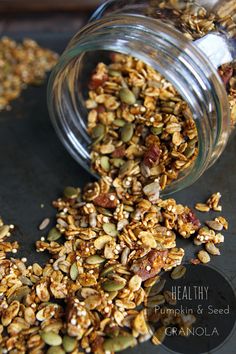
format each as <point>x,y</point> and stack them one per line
<point>35,167</point>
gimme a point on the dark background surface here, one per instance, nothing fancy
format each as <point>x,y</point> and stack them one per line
<point>35,167</point>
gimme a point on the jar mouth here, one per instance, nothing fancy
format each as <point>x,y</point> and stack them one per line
<point>168,52</point>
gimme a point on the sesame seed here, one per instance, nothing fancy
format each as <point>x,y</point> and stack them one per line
<point>148,268</point>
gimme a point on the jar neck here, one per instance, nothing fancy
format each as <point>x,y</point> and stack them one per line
<point>176,58</point>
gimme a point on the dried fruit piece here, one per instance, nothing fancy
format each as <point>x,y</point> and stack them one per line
<point>152,156</point>
<point>106,200</point>
<point>150,265</point>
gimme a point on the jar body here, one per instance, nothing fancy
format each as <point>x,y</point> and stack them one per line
<point>130,27</point>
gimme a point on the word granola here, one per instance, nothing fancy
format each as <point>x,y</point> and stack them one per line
<point>21,65</point>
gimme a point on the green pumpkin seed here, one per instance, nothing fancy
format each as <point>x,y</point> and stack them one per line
<point>119,122</point>
<point>117,162</point>
<point>4,230</point>
<point>54,234</point>
<point>113,285</point>
<point>112,295</point>
<point>114,73</point>
<point>136,91</point>
<point>127,132</point>
<point>118,343</point>
<point>178,272</point>
<point>95,259</point>
<point>110,229</point>
<point>189,151</point>
<point>126,168</point>
<point>69,343</point>
<point>51,338</point>
<point>108,270</point>
<point>19,294</point>
<point>56,350</point>
<point>127,96</point>
<point>157,130</point>
<point>70,192</point>
<point>154,301</point>
<point>98,131</point>
<point>25,280</point>
<point>105,163</point>
<point>74,271</point>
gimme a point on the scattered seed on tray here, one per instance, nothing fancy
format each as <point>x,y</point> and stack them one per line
<point>44,224</point>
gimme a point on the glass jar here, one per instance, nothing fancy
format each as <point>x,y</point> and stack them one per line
<point>185,42</point>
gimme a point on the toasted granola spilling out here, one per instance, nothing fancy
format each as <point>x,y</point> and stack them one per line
<point>22,64</point>
<point>141,128</point>
<point>86,296</point>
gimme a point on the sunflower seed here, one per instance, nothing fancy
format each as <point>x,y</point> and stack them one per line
<point>44,224</point>
<point>95,259</point>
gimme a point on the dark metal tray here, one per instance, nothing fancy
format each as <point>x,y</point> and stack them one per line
<point>35,167</point>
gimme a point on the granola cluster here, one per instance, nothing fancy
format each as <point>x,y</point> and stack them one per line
<point>21,65</point>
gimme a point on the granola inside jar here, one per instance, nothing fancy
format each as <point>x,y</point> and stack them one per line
<point>162,94</point>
